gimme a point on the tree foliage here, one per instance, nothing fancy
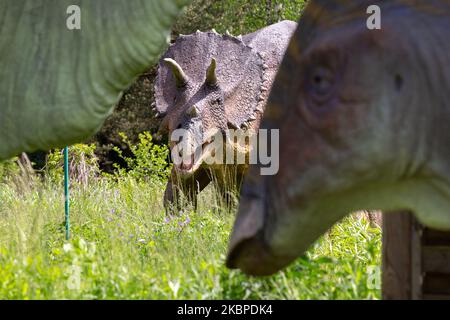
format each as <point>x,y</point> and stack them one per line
<point>237,16</point>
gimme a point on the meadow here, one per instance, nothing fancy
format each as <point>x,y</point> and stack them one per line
<point>124,246</point>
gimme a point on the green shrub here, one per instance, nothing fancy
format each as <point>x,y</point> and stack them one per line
<point>8,168</point>
<point>83,164</point>
<point>149,161</point>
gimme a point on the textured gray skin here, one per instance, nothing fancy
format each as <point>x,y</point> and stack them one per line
<point>246,67</point>
<point>363,118</point>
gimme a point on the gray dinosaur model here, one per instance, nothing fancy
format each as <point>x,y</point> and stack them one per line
<point>209,83</point>
<point>58,85</point>
<point>364,124</point>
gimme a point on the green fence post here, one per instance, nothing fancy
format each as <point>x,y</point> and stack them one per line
<point>66,191</point>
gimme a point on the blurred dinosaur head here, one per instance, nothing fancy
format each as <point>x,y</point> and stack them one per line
<point>362,116</point>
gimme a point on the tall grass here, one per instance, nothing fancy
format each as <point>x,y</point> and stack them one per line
<point>123,245</point>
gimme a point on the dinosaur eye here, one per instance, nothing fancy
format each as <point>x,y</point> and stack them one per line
<point>321,82</point>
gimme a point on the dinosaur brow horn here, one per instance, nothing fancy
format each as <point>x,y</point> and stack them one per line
<point>211,78</point>
<point>178,73</point>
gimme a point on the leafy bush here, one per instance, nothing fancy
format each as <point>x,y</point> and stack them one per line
<point>149,161</point>
<point>83,164</point>
<point>8,168</point>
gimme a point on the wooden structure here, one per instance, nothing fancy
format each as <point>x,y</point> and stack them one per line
<point>416,260</point>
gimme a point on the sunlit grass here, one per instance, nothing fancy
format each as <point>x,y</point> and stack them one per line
<point>124,247</point>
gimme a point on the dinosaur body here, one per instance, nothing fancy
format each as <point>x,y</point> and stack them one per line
<point>58,85</point>
<point>209,84</point>
<point>363,118</point>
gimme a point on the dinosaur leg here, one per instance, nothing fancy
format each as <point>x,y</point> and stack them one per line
<point>228,184</point>
<point>188,187</point>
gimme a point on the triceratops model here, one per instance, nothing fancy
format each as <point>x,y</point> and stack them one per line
<point>209,83</point>
<point>363,119</point>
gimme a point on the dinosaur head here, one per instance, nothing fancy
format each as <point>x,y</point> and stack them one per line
<point>197,119</point>
<point>206,84</point>
<point>349,103</point>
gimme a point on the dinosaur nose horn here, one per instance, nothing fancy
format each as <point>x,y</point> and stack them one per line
<point>180,77</point>
<point>211,78</point>
<point>193,111</point>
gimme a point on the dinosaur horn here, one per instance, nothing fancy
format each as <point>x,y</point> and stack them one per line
<point>211,78</point>
<point>178,73</point>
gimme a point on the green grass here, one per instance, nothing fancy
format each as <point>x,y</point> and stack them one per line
<point>123,247</point>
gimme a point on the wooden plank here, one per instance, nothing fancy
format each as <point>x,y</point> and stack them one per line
<point>396,264</point>
<point>436,284</point>
<point>436,297</point>
<point>416,259</point>
<point>433,237</point>
<point>436,259</point>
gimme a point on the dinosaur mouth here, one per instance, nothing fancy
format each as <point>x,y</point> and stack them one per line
<point>188,166</point>
<point>249,249</point>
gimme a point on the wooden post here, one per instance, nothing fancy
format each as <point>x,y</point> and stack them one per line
<point>416,260</point>
<point>396,264</point>
<point>436,264</point>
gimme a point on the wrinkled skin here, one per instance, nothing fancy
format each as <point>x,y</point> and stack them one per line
<point>57,85</point>
<point>363,118</point>
<point>245,69</point>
